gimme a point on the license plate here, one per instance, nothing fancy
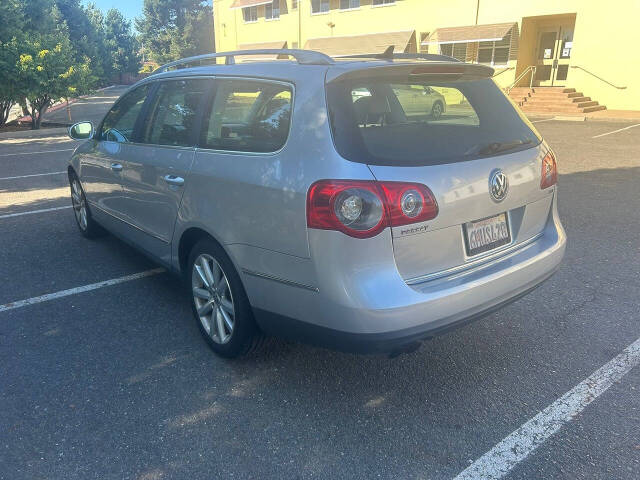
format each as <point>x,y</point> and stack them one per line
<point>483,235</point>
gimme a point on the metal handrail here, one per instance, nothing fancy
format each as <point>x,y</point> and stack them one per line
<point>503,70</point>
<point>530,68</point>
<point>303,57</point>
<point>596,76</point>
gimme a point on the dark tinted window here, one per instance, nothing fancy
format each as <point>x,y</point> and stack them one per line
<point>408,122</point>
<point>173,112</point>
<point>119,123</point>
<point>248,116</point>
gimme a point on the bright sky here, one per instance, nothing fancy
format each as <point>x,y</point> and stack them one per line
<point>129,8</point>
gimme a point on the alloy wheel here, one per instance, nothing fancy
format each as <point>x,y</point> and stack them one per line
<point>79,204</point>
<point>437,110</point>
<point>213,299</point>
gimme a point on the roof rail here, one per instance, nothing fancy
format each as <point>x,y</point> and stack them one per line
<point>389,55</point>
<point>303,57</point>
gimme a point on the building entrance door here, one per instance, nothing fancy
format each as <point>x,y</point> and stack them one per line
<point>553,55</point>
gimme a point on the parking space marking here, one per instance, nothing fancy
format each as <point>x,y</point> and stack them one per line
<point>33,153</point>
<point>616,131</point>
<point>76,290</point>
<point>42,210</point>
<point>498,461</point>
<point>32,175</point>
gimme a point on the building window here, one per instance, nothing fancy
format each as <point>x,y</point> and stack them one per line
<point>349,4</point>
<point>378,3</point>
<point>294,4</point>
<point>272,10</point>
<point>455,50</point>
<point>495,53</point>
<point>250,14</point>
<point>319,6</point>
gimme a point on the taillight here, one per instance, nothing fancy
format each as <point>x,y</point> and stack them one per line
<point>362,209</point>
<point>549,171</point>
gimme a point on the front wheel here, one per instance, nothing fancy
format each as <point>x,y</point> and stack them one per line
<point>219,303</point>
<point>87,225</point>
<point>437,110</point>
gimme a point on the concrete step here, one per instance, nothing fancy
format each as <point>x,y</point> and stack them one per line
<point>557,95</point>
<point>550,109</point>
<point>586,104</point>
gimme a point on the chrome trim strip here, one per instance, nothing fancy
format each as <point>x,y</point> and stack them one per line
<point>503,253</point>
<point>280,280</point>
<point>92,204</point>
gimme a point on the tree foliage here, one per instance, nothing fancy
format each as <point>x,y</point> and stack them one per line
<point>122,47</point>
<point>58,49</point>
<point>173,29</point>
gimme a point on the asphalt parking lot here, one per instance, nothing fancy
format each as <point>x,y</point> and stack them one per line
<point>115,382</point>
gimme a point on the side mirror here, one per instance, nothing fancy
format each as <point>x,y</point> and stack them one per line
<point>81,130</point>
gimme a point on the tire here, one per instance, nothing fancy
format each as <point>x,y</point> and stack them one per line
<point>220,307</point>
<point>86,224</point>
<point>437,110</point>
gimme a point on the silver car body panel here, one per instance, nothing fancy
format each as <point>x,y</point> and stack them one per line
<point>254,205</point>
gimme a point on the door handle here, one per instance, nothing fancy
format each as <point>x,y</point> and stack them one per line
<point>173,180</point>
<point>116,167</point>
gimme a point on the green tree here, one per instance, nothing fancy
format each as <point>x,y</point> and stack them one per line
<point>121,45</point>
<point>173,29</point>
<point>49,69</point>
<point>11,28</point>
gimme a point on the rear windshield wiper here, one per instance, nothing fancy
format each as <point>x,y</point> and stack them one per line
<point>497,147</point>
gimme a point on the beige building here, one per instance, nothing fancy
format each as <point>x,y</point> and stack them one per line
<point>586,45</point>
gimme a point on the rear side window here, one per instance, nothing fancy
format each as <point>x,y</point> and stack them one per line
<point>173,112</point>
<point>407,122</point>
<point>248,116</point>
<point>118,125</point>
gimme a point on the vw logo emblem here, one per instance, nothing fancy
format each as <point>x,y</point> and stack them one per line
<point>498,185</point>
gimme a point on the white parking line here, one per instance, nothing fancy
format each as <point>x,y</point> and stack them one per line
<point>42,210</point>
<point>616,131</point>
<point>73,291</point>
<point>32,175</point>
<point>498,461</point>
<point>33,153</point>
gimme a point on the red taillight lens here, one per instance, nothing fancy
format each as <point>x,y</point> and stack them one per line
<point>362,209</point>
<point>549,171</point>
<point>352,207</point>
<point>408,203</point>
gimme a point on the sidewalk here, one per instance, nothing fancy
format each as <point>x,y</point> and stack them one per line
<point>89,107</point>
<point>43,132</point>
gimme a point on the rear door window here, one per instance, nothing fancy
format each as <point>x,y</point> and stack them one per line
<point>404,121</point>
<point>248,116</point>
<point>173,113</point>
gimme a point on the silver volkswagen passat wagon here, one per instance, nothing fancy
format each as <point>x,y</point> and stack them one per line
<point>316,199</point>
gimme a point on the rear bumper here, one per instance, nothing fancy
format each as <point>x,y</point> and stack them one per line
<point>384,342</point>
<point>363,305</point>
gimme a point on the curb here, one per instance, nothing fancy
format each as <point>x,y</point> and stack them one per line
<point>45,132</point>
<point>582,118</point>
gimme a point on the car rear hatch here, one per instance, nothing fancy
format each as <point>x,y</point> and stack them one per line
<point>479,156</point>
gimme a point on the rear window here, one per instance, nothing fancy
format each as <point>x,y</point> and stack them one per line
<point>409,122</point>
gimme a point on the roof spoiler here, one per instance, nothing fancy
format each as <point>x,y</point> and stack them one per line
<point>434,71</point>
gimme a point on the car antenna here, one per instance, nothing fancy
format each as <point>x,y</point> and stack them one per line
<point>388,53</point>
